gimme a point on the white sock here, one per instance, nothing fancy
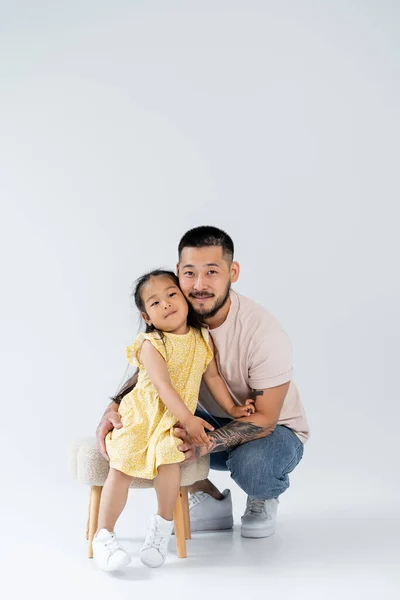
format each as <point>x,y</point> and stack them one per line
<point>164,525</point>
<point>103,534</point>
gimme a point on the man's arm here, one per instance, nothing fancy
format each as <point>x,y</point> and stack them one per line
<point>110,420</point>
<point>262,423</point>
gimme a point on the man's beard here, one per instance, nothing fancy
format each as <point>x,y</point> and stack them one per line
<point>219,303</point>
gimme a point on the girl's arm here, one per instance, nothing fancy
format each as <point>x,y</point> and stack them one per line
<point>220,393</point>
<point>157,371</point>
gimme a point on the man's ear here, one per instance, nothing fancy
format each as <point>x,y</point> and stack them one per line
<point>235,271</point>
<point>177,269</point>
<point>146,318</point>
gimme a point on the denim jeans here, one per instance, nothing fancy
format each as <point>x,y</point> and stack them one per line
<point>261,467</point>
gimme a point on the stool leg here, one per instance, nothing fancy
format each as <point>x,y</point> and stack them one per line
<point>88,521</point>
<point>179,524</point>
<point>95,494</point>
<point>186,514</point>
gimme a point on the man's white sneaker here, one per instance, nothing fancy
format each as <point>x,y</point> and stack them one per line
<point>108,553</point>
<point>155,547</point>
<point>259,519</point>
<point>208,514</point>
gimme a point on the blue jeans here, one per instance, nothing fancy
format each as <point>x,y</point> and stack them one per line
<point>261,467</point>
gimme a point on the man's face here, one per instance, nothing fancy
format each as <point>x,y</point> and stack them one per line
<point>205,277</point>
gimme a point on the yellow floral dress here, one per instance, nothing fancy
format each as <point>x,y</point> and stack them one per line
<point>146,438</point>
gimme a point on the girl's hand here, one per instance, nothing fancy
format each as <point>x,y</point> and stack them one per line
<point>245,410</point>
<point>195,427</point>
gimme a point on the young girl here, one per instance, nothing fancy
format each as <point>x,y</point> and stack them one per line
<point>173,355</point>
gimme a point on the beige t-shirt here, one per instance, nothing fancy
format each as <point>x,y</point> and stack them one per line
<point>253,352</point>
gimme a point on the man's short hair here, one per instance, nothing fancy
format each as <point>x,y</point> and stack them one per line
<point>206,235</point>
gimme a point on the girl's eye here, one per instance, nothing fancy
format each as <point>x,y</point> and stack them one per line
<point>172,294</point>
<point>154,303</point>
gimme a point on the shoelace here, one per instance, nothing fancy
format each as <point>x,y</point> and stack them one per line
<point>112,545</point>
<point>196,499</point>
<point>155,538</point>
<point>255,506</point>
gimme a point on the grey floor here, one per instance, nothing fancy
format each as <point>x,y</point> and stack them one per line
<point>345,553</point>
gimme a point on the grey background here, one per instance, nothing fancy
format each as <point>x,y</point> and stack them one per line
<point>124,124</point>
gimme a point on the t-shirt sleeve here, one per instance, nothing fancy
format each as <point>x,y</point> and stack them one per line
<point>133,352</point>
<point>270,360</point>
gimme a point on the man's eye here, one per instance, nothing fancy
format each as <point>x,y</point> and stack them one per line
<point>189,273</point>
<point>212,272</point>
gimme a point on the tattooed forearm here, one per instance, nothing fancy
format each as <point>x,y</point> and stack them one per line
<point>234,434</point>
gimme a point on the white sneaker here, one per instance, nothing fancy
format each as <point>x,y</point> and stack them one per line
<point>155,547</point>
<point>209,514</point>
<point>259,519</point>
<point>108,553</point>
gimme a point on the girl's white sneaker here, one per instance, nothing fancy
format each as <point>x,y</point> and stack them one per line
<point>155,547</point>
<point>108,553</point>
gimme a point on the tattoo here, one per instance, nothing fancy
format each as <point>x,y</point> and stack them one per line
<point>197,452</point>
<point>234,434</point>
<point>255,394</point>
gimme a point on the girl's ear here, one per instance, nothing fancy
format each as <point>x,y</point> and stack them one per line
<point>146,318</point>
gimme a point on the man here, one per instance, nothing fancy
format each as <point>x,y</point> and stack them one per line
<point>253,354</point>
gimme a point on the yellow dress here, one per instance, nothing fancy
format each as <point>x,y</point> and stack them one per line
<point>146,438</point>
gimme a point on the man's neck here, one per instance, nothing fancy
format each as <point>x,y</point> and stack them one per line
<point>220,317</point>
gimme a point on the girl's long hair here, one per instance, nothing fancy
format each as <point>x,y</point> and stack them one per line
<point>192,320</point>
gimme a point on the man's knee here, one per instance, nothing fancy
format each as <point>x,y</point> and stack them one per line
<point>261,467</point>
<point>255,474</point>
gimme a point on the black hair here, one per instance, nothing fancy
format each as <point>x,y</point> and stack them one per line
<point>206,235</point>
<point>192,320</point>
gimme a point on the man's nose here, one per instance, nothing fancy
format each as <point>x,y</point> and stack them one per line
<point>200,283</point>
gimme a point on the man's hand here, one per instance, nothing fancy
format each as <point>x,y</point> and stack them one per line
<point>110,420</point>
<point>191,451</point>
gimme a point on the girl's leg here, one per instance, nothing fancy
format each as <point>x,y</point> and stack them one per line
<point>113,499</point>
<point>167,484</point>
<point>155,547</point>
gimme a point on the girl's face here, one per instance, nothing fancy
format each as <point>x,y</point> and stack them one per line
<point>165,306</point>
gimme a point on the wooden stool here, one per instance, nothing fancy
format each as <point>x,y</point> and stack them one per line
<point>91,468</point>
